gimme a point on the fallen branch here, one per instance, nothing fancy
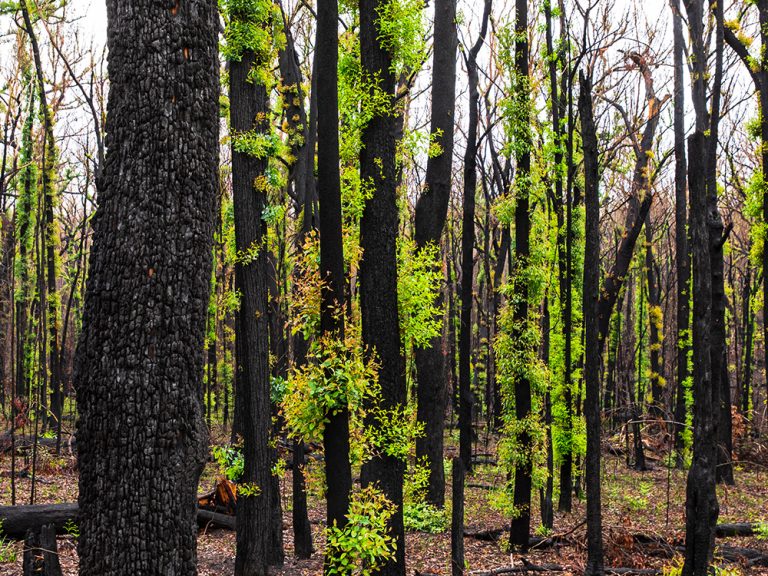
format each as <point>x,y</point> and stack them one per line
<point>739,555</point>
<point>521,569</point>
<point>528,567</point>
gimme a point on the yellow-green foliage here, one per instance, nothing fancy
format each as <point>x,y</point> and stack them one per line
<point>305,305</point>
<point>336,376</point>
<point>393,432</point>
<point>418,278</point>
<point>402,33</point>
<point>254,26</point>
<point>364,544</point>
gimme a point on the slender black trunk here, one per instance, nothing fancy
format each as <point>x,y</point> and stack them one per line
<point>682,250</point>
<point>468,249</point>
<point>431,212</point>
<point>521,523</point>
<point>592,351</point>
<point>338,473</point>
<point>249,110</point>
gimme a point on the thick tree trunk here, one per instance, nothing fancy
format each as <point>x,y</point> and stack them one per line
<point>378,269</point>
<point>701,499</point>
<point>431,212</point>
<point>139,363</point>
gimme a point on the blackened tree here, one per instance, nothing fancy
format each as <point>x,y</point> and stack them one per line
<point>139,363</point>
<point>431,212</point>
<point>378,269</point>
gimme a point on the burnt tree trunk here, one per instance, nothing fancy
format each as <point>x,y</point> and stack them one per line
<point>521,523</point>
<point>701,499</point>
<point>249,111</point>
<point>338,473</point>
<point>142,439</point>
<point>378,269</point>
<point>302,181</point>
<point>592,352</point>
<point>431,212</point>
<point>468,249</point>
<point>682,250</point>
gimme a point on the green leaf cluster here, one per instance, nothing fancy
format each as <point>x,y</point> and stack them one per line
<point>419,279</point>
<point>364,544</point>
<point>336,376</point>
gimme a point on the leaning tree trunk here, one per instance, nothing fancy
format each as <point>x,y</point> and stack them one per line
<point>139,363</point>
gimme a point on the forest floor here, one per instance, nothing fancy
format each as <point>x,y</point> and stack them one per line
<point>643,520</point>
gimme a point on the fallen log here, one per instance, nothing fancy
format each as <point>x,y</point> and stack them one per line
<point>737,529</point>
<point>26,442</point>
<point>15,521</point>
<point>524,569</point>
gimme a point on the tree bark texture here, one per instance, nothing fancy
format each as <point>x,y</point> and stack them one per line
<point>521,523</point>
<point>701,499</point>
<point>142,440</point>
<point>338,473</point>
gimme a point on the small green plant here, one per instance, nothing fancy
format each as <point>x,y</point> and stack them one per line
<point>761,531</point>
<point>635,503</point>
<point>543,531</point>
<point>248,489</point>
<point>71,528</point>
<point>230,460</point>
<point>7,549</point>
<point>423,517</point>
<point>675,569</point>
<point>363,544</point>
